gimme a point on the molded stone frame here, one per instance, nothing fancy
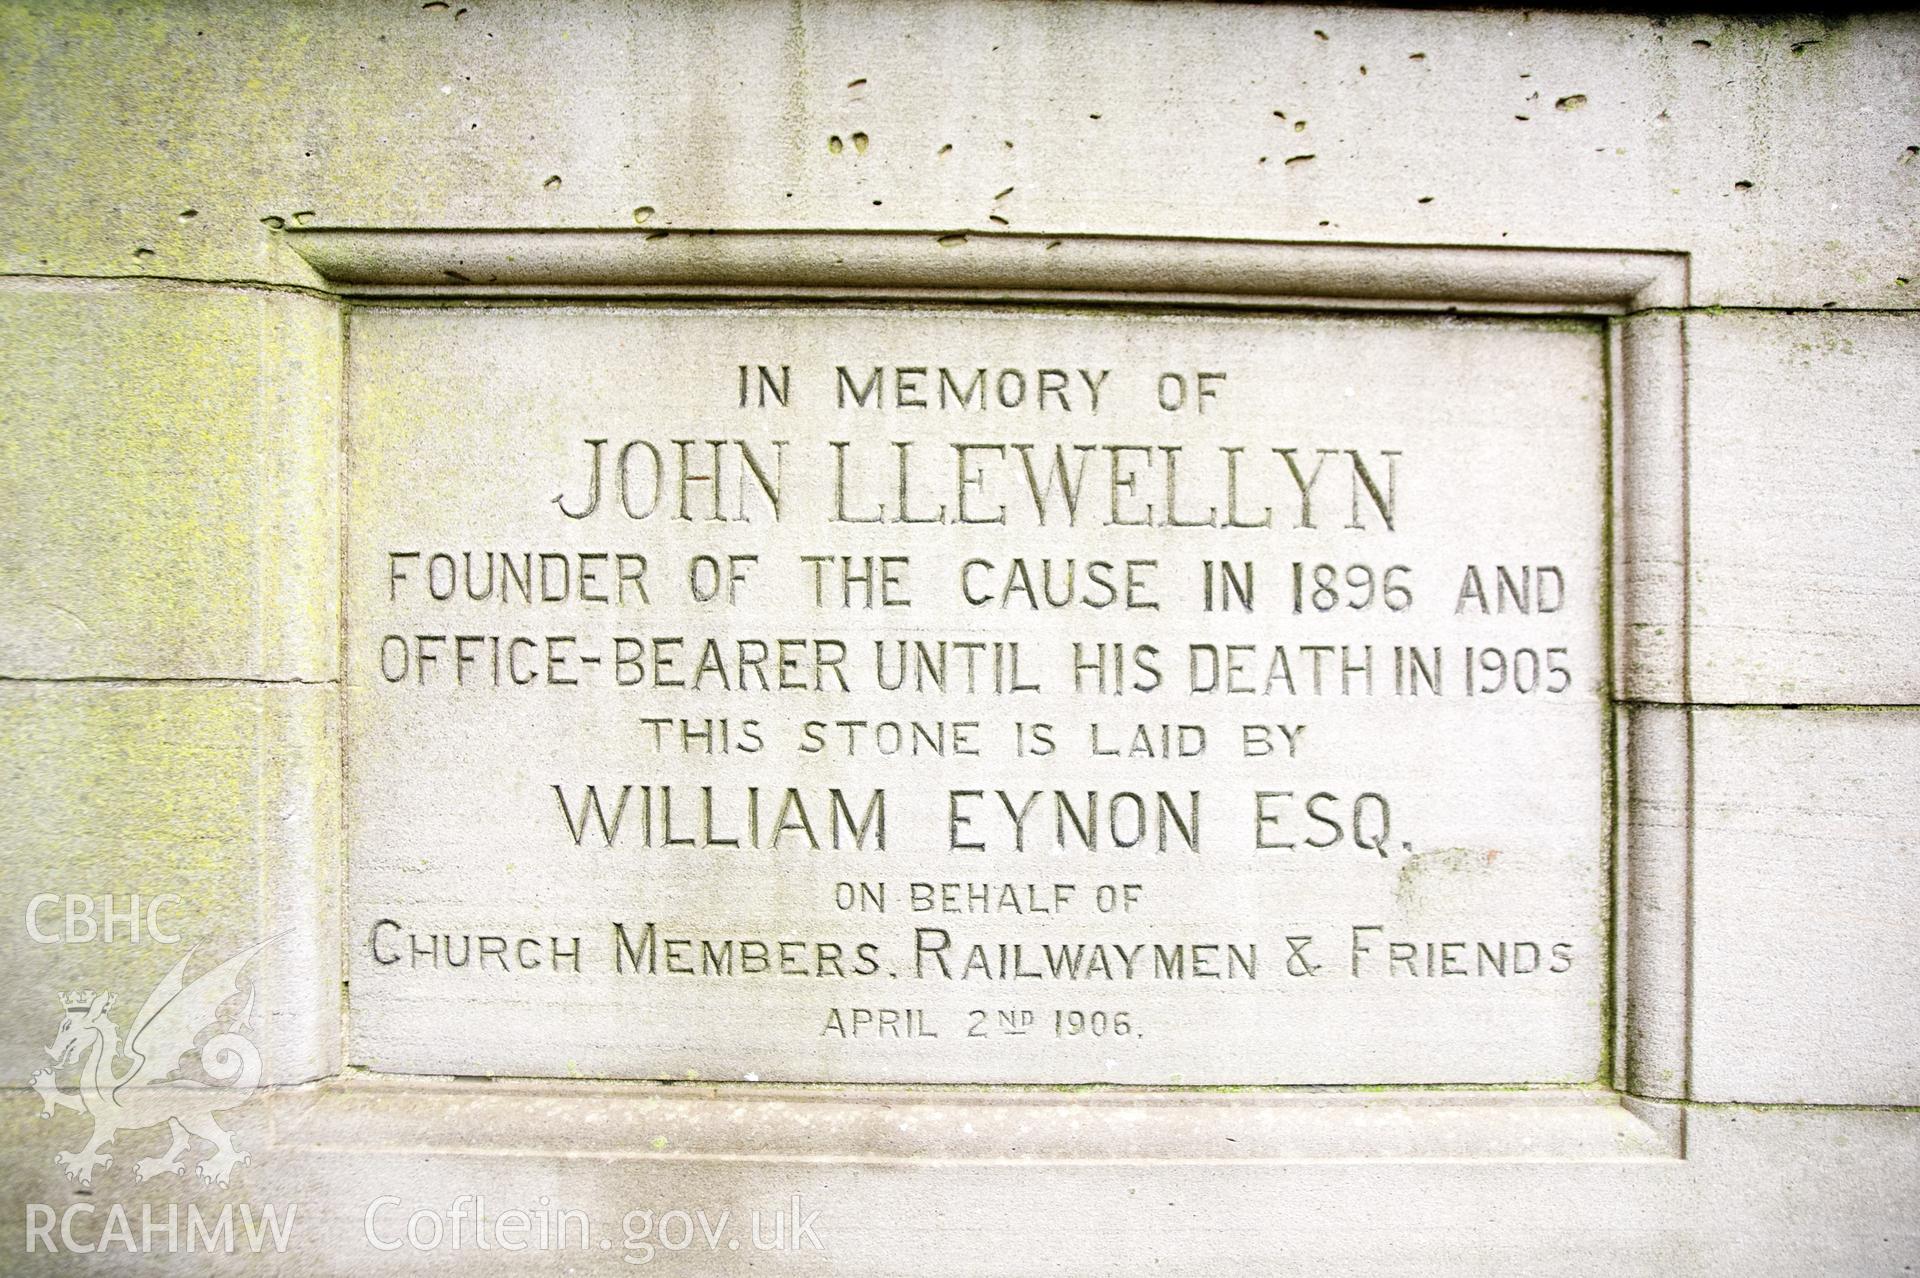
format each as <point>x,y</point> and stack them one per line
<point>1641,296</point>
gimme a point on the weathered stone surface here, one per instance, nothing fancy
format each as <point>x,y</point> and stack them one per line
<point>1806,882</point>
<point>202,816</point>
<point>1775,152</point>
<point>1805,577</point>
<point>168,468</point>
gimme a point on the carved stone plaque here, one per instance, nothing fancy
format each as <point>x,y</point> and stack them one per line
<point>969,695</point>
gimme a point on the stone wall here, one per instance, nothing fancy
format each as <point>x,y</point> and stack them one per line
<point>170,666</point>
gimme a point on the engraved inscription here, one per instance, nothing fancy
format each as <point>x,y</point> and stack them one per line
<point>976,696</point>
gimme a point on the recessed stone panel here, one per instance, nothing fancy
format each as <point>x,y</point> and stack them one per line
<point>970,695</point>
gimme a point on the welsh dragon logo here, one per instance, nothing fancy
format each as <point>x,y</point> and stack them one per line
<point>151,1089</point>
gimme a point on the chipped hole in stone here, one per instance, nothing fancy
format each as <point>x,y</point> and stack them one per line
<point>1901,280</point>
<point>1326,224</point>
<point>1279,115</point>
<point>1743,185</point>
<point>1004,194</point>
<point>303,217</point>
<point>951,241</point>
<point>1801,46</point>
<point>835,146</point>
<point>187,215</point>
<point>1093,115</point>
<point>995,217</point>
<point>1299,126</point>
<point>432,5</point>
<point>1363,68</point>
<point>1051,246</point>
<point>945,150</point>
<point>455,276</point>
<point>1703,44</point>
<point>854,84</point>
<point>273,223</point>
<point>656,235</point>
<point>1523,117</point>
<point>876,204</point>
<point>645,211</point>
<point>1318,33</point>
<point>1298,159</point>
<point>552,183</point>
<point>1416,57</point>
<point>1572,102</point>
<point>860,143</point>
<point>1425,199</point>
<point>143,254</point>
<point>1007,144</point>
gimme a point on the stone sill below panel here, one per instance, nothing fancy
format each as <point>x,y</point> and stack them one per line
<point>775,1123</point>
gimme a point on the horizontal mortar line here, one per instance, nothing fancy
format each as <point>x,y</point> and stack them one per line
<point>529,292</point>
<point>1789,1107</point>
<point>1735,308</point>
<point>1865,707</point>
<point>148,681</point>
<point>172,283</point>
<point>560,291</point>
